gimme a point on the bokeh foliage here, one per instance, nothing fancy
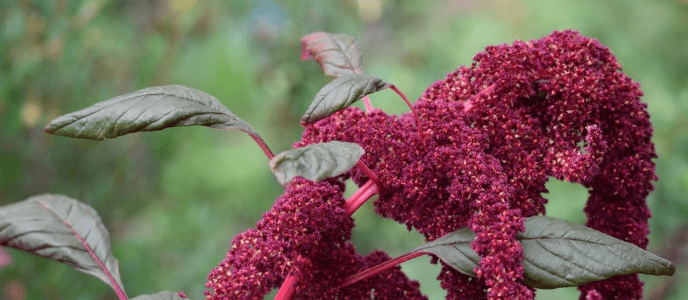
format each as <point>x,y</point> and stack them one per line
<point>173,199</point>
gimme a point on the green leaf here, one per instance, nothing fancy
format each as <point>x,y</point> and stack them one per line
<point>454,249</point>
<point>340,93</point>
<point>164,295</point>
<point>150,109</point>
<point>560,253</point>
<point>557,253</point>
<point>316,162</point>
<point>337,54</point>
<point>63,229</point>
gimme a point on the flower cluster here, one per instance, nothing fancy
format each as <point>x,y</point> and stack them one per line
<point>438,183</point>
<point>305,233</point>
<point>551,95</point>
<point>494,133</point>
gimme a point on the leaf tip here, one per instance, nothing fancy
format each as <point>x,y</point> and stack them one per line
<point>273,164</point>
<point>305,55</point>
<point>305,121</point>
<point>670,269</point>
<point>305,41</point>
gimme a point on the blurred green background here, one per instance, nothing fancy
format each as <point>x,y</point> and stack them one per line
<point>174,199</point>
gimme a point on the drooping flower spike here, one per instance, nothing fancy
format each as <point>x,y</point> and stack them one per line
<point>493,133</point>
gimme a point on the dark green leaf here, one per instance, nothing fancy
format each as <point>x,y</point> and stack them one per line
<point>337,54</point>
<point>557,253</point>
<point>63,229</point>
<point>150,109</point>
<point>454,249</point>
<point>560,253</point>
<point>164,295</point>
<point>340,93</point>
<point>316,162</point>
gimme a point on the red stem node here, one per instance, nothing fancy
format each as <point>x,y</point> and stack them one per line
<point>370,175</point>
<point>362,195</point>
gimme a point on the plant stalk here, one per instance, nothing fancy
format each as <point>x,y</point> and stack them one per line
<point>362,195</point>
<point>370,175</point>
<point>421,134</point>
<point>287,290</point>
<point>379,268</point>
<point>368,105</point>
<point>263,146</point>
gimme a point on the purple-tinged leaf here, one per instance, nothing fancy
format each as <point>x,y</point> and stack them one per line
<point>63,229</point>
<point>164,295</point>
<point>340,93</point>
<point>337,54</point>
<point>150,109</point>
<point>557,253</point>
<point>316,162</point>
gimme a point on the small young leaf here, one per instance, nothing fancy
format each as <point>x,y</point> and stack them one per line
<point>164,295</point>
<point>557,253</point>
<point>316,162</point>
<point>63,229</point>
<point>340,93</point>
<point>337,54</point>
<point>150,109</point>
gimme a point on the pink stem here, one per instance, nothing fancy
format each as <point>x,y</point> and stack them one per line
<point>379,268</point>
<point>262,146</point>
<point>370,174</point>
<point>362,195</point>
<point>366,101</point>
<point>421,134</point>
<point>286,291</point>
<point>468,105</point>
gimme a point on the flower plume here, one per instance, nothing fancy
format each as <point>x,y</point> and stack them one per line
<point>496,131</point>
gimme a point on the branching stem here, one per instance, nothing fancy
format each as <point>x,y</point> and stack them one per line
<point>370,175</point>
<point>362,195</point>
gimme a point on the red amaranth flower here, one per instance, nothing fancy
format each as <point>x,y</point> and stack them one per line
<point>308,220</point>
<point>305,233</point>
<point>552,94</point>
<point>494,134</point>
<point>446,181</point>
